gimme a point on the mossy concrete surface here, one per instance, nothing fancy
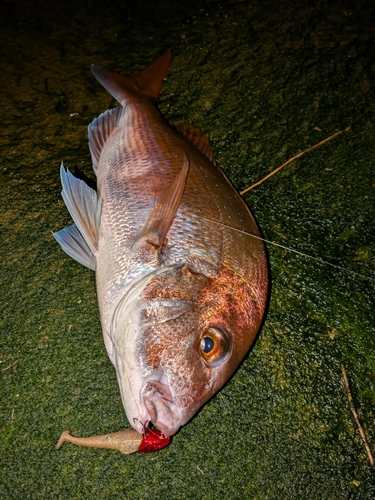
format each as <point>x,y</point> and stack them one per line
<point>265,80</point>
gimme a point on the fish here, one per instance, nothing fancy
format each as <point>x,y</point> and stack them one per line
<point>182,285</point>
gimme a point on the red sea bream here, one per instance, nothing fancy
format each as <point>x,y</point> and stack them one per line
<point>181,284</point>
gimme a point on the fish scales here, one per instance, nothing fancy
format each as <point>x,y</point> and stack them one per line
<point>182,287</point>
<point>130,181</point>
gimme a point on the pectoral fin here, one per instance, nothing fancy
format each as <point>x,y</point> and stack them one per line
<point>84,207</point>
<point>160,220</point>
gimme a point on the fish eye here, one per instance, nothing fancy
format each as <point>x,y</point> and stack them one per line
<point>207,344</point>
<point>214,346</point>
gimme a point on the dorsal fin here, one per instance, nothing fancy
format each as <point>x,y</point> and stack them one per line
<point>160,220</point>
<point>101,130</point>
<point>194,135</point>
<point>148,82</point>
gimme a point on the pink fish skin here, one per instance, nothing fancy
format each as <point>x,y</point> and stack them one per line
<point>182,285</point>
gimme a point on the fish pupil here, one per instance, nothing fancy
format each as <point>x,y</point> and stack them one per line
<point>207,344</point>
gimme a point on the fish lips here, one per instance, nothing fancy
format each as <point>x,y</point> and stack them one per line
<point>157,400</point>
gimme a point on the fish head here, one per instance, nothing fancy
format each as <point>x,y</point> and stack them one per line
<point>187,335</point>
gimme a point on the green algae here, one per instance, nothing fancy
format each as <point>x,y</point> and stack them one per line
<point>265,80</point>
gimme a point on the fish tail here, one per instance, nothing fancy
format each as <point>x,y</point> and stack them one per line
<point>148,82</point>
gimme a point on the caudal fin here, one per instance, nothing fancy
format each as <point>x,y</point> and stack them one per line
<point>148,82</point>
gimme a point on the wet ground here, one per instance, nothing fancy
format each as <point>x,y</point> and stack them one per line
<point>265,80</point>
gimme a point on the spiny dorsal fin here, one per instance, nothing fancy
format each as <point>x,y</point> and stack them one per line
<point>101,130</point>
<point>74,244</point>
<point>148,82</point>
<point>194,135</point>
<point>83,205</point>
<point>160,220</point>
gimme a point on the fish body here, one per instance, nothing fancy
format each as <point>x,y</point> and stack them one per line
<point>182,287</point>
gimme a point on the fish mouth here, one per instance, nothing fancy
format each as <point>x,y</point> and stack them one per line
<point>159,408</point>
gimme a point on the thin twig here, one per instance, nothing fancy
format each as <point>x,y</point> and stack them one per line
<point>290,161</point>
<point>356,417</point>
<point>200,470</point>
<point>10,366</point>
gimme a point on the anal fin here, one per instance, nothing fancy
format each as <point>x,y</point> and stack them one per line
<point>101,130</point>
<point>84,207</point>
<point>73,243</point>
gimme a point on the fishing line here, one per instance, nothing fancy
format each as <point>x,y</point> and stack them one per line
<point>317,259</point>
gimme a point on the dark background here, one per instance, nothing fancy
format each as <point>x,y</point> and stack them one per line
<point>265,80</point>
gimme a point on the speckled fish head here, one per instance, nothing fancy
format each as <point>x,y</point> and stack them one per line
<point>193,333</point>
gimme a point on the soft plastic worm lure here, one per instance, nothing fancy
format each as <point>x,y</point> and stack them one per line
<point>126,441</point>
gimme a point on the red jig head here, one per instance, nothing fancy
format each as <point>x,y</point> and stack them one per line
<point>153,441</point>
